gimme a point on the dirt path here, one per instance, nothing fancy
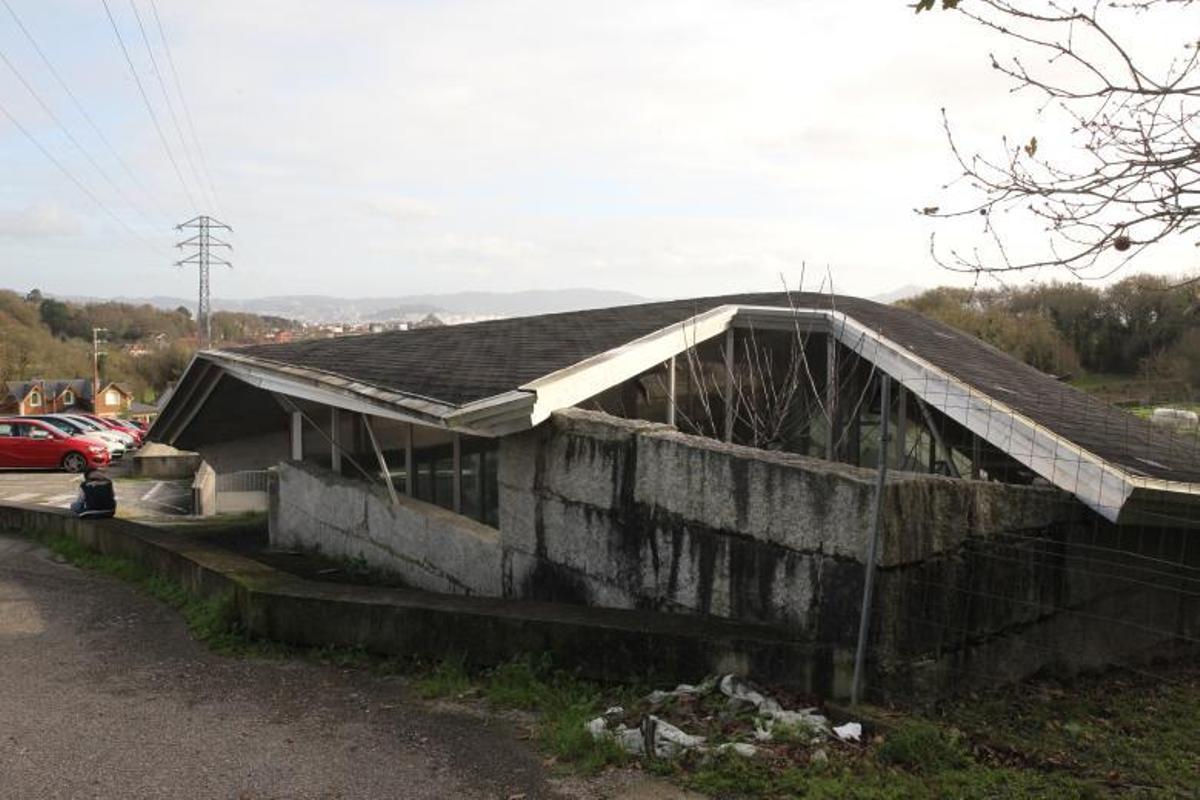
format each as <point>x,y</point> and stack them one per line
<point>106,695</point>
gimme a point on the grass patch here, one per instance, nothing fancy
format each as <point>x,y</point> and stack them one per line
<point>447,678</point>
<point>920,746</point>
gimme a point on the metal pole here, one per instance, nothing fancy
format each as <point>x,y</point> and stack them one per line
<point>671,391</point>
<point>729,398</point>
<point>831,396</point>
<point>383,466</point>
<point>864,620</point>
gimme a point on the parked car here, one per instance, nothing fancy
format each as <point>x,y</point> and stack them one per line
<point>115,446</point>
<point>33,444</point>
<point>123,437</point>
<point>118,425</point>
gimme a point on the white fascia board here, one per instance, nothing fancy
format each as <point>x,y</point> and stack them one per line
<point>304,390</point>
<point>1098,484</point>
<point>157,427</point>
<point>501,414</point>
<point>413,404</point>
<point>587,378</point>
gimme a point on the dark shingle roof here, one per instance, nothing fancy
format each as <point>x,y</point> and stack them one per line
<point>460,364</point>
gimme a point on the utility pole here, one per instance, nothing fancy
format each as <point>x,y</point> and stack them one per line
<point>96,362</point>
<point>202,242</point>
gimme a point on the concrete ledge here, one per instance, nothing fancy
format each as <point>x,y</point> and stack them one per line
<point>164,463</point>
<point>606,644</point>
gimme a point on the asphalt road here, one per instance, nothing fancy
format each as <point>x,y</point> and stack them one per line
<point>103,694</point>
<point>135,498</point>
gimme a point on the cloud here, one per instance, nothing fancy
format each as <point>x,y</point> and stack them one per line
<point>665,148</point>
<point>403,209</point>
<point>39,221</point>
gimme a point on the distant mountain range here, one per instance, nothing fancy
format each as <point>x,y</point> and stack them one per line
<point>458,305</point>
<point>321,308</point>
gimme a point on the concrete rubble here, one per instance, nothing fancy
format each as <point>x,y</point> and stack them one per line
<point>768,720</point>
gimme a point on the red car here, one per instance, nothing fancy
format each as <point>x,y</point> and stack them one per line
<point>123,426</point>
<point>30,444</point>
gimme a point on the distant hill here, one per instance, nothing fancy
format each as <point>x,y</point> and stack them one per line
<point>142,345</point>
<point>322,308</point>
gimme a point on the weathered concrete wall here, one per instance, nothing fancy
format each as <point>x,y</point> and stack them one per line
<point>429,547</point>
<point>633,514</point>
<point>242,502</point>
<point>204,491</point>
<point>164,463</point>
<point>602,512</point>
<point>262,451</point>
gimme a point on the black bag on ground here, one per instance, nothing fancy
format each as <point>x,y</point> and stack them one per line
<point>96,497</point>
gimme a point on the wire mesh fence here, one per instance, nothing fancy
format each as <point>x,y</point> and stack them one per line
<point>1026,526</point>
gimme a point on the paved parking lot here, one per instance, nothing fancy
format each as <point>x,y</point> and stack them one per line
<point>135,498</point>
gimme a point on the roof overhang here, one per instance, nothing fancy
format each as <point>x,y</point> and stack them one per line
<point>1112,491</point>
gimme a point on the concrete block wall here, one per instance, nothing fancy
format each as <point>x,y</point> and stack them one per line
<point>625,514</point>
<point>601,510</point>
<point>430,548</point>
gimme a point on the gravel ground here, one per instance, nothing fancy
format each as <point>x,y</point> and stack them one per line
<point>105,695</point>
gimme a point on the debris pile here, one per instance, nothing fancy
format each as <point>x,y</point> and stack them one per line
<point>734,716</point>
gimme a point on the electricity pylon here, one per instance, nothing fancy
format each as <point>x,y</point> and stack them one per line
<point>203,241</point>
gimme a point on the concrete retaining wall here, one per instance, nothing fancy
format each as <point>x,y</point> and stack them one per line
<point>164,463</point>
<point>606,513</point>
<point>204,491</point>
<point>634,514</point>
<point>429,547</point>
<point>603,644</point>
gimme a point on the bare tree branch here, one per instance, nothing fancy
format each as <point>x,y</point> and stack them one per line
<point>1138,181</point>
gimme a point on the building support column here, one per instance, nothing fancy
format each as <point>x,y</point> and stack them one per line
<point>671,391</point>
<point>976,455</point>
<point>457,479</point>
<point>335,440</point>
<point>729,387</point>
<point>937,443</point>
<point>901,427</point>
<point>297,436</point>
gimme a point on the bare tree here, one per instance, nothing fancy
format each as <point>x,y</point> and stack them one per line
<point>1136,180</point>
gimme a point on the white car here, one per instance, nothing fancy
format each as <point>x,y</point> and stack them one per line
<point>95,427</point>
<point>66,423</point>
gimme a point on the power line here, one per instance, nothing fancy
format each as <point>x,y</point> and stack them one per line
<point>187,152</point>
<point>71,137</point>
<point>149,107</point>
<point>83,112</point>
<point>71,177</point>
<point>187,112</point>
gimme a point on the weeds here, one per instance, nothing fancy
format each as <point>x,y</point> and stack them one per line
<point>923,747</point>
<point>448,678</point>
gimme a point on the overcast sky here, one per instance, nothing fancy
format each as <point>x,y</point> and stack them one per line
<point>387,148</point>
